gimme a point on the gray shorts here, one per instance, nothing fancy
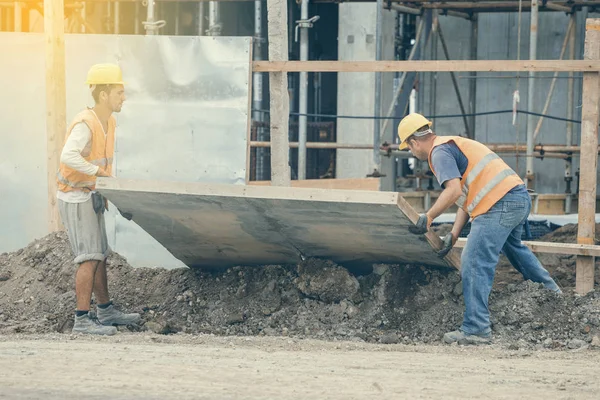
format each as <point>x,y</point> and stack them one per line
<point>86,231</point>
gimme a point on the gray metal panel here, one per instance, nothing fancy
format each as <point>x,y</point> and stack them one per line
<point>218,226</point>
<point>185,119</point>
<point>498,41</point>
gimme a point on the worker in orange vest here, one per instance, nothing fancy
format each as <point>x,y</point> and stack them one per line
<point>487,190</point>
<point>88,153</point>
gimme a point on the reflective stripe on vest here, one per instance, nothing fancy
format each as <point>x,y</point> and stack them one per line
<point>499,177</point>
<point>65,181</point>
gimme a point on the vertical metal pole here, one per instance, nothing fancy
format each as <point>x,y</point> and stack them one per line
<point>177,18</point>
<point>214,29</point>
<point>529,178</point>
<point>303,100</point>
<point>18,17</point>
<point>116,17</point>
<point>136,19</point>
<point>473,80</point>
<point>570,100</point>
<point>257,93</point>
<point>377,107</point>
<point>201,18</point>
<point>150,29</point>
<point>83,16</point>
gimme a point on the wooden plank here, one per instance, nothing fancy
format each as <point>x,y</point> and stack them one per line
<point>331,184</point>
<point>428,66</point>
<point>573,249</point>
<point>217,226</point>
<point>453,258</point>
<point>588,158</point>
<point>278,90</point>
<point>56,100</point>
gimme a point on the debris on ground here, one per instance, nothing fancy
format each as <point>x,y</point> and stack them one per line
<point>315,299</point>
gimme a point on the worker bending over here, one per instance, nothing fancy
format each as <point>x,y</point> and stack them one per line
<point>87,154</point>
<point>487,190</point>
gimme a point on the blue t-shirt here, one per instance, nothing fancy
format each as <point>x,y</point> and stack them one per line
<point>448,162</point>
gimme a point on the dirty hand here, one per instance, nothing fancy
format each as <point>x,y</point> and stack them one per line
<point>448,242</point>
<point>422,225</point>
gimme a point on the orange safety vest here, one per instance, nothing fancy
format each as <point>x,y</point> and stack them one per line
<point>100,154</point>
<point>487,177</point>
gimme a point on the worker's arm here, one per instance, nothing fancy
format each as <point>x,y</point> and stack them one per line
<point>448,175</point>
<point>447,198</point>
<point>459,223</point>
<point>71,154</point>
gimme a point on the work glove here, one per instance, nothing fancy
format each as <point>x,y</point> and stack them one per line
<point>448,242</point>
<point>421,226</point>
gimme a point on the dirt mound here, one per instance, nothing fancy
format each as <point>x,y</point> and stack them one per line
<point>567,234</point>
<point>317,298</point>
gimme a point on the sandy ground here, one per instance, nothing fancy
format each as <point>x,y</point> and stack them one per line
<point>149,366</point>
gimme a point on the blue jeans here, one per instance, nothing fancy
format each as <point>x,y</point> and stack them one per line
<point>498,229</point>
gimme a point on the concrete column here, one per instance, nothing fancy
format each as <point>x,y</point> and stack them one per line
<point>356,94</point>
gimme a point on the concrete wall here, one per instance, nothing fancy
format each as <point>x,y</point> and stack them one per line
<point>498,40</point>
<point>356,93</point>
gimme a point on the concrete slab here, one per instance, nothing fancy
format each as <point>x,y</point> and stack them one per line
<point>218,226</point>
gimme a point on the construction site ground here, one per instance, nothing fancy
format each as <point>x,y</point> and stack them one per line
<point>293,331</point>
<point>181,366</point>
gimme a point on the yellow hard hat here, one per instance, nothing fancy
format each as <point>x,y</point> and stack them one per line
<point>409,125</point>
<point>105,74</point>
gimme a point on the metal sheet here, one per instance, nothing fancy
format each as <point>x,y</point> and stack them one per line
<point>218,226</point>
<point>185,119</point>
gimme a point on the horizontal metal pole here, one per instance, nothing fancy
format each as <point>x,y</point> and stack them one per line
<point>547,148</point>
<point>550,150</point>
<point>428,66</point>
<point>319,145</point>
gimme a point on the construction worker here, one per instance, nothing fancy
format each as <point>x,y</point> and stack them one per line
<point>87,154</point>
<point>487,190</point>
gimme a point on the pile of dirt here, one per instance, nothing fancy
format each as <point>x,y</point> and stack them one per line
<point>317,299</point>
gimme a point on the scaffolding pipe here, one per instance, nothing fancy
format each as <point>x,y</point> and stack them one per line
<point>257,93</point>
<point>543,150</point>
<point>214,25</point>
<point>18,15</point>
<point>150,24</point>
<point>303,100</point>
<point>177,18</point>
<point>377,106</point>
<point>116,17</point>
<point>531,93</point>
<point>200,19</point>
<point>136,19</point>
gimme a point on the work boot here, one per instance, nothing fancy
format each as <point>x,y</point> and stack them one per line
<point>111,316</point>
<point>461,338</point>
<point>85,324</point>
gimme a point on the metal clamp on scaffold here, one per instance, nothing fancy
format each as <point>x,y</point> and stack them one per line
<point>305,23</point>
<point>153,26</point>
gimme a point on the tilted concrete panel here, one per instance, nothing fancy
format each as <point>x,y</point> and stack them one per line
<point>218,226</point>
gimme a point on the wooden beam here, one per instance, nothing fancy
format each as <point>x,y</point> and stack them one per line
<point>56,100</point>
<point>277,17</point>
<point>573,249</point>
<point>588,159</point>
<point>429,66</point>
<point>370,184</point>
